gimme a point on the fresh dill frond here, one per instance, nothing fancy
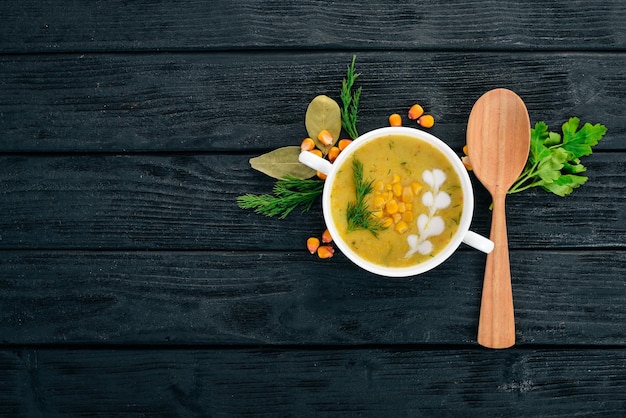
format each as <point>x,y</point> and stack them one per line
<point>288,194</point>
<point>358,214</point>
<point>350,101</point>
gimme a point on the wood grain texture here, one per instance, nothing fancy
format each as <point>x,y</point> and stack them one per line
<point>224,298</point>
<point>132,285</point>
<point>40,25</point>
<point>498,143</point>
<point>196,102</point>
<point>275,381</point>
<point>189,202</point>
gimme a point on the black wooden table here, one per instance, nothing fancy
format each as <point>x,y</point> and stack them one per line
<point>131,283</point>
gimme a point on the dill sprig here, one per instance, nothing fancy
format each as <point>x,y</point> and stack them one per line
<point>358,214</point>
<point>288,194</point>
<point>350,101</point>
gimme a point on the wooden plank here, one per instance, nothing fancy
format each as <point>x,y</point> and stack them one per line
<point>163,298</point>
<point>40,25</point>
<point>189,202</point>
<point>254,102</point>
<point>285,382</point>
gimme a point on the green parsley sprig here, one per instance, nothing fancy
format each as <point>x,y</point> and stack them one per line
<point>554,160</point>
<point>350,101</point>
<point>288,194</point>
<point>358,214</point>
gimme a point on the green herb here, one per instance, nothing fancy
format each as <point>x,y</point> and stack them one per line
<point>350,101</point>
<point>554,161</point>
<point>358,214</point>
<point>289,193</point>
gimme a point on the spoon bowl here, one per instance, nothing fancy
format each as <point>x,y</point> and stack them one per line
<point>498,142</point>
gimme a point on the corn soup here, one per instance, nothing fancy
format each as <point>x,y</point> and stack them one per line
<point>416,196</point>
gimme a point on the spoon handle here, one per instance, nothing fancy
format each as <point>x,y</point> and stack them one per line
<point>496,325</point>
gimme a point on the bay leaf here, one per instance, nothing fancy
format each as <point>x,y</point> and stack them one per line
<point>323,113</point>
<point>282,162</point>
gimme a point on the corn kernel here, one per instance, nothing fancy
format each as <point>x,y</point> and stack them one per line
<point>395,120</point>
<point>396,178</point>
<point>409,206</point>
<point>326,238</point>
<point>321,175</point>
<point>333,153</point>
<point>407,216</point>
<point>343,143</point>
<point>391,207</point>
<point>379,186</point>
<point>415,111</point>
<point>387,222</point>
<point>325,137</point>
<point>407,194</point>
<point>416,187</point>
<point>427,121</point>
<point>317,152</point>
<point>396,217</point>
<point>307,144</point>
<point>379,202</point>
<point>312,244</point>
<point>397,189</point>
<point>325,251</point>
<point>377,213</point>
<point>402,227</point>
<point>401,207</point>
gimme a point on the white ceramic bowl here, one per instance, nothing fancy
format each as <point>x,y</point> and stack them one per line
<point>463,234</point>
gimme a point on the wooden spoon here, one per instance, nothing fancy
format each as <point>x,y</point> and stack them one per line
<point>498,142</point>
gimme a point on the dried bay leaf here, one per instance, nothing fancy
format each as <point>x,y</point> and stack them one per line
<point>282,162</point>
<point>323,113</point>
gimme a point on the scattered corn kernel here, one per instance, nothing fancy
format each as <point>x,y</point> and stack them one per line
<point>321,175</point>
<point>465,149</point>
<point>317,152</point>
<point>307,144</point>
<point>466,162</point>
<point>343,143</point>
<point>402,227</point>
<point>391,207</point>
<point>415,111</point>
<point>312,244</point>
<point>326,238</point>
<point>426,121</point>
<point>333,153</point>
<point>325,137</point>
<point>325,251</point>
<point>395,120</point>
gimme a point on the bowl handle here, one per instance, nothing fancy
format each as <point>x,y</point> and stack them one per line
<point>316,163</point>
<point>478,241</point>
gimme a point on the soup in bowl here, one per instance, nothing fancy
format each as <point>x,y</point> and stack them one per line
<point>398,201</point>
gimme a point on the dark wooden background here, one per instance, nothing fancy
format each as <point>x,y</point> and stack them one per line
<point>131,283</point>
